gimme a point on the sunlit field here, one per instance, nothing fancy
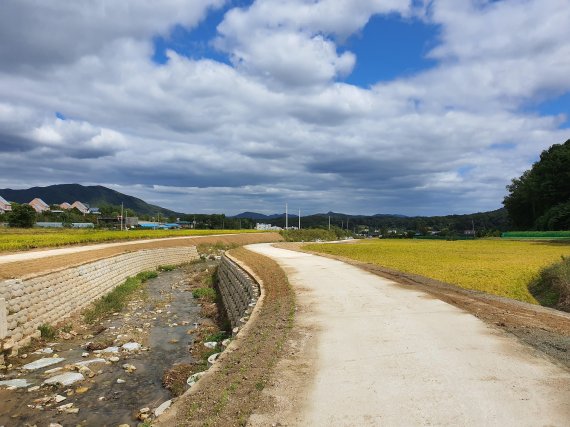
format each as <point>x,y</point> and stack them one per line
<point>22,239</point>
<point>495,266</point>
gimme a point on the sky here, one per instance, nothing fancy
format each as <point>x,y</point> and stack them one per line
<point>355,106</point>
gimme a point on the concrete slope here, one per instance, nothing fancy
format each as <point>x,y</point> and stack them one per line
<point>390,356</point>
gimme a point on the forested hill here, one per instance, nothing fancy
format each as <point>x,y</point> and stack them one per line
<point>96,196</point>
<point>493,220</point>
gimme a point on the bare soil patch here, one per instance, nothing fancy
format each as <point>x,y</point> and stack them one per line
<point>34,266</point>
<point>545,329</point>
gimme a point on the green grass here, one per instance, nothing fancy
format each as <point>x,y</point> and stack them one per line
<point>310,235</point>
<point>47,331</point>
<point>217,337</point>
<point>167,267</point>
<point>115,300</point>
<point>501,267</point>
<point>13,239</point>
<point>536,235</point>
<point>208,294</point>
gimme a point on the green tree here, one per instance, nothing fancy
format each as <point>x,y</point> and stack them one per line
<point>537,198</point>
<point>22,216</point>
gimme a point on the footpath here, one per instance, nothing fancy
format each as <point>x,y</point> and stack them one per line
<point>369,352</point>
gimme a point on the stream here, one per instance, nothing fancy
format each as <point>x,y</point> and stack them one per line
<point>125,362</point>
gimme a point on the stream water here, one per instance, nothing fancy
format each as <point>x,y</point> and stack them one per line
<point>162,322</point>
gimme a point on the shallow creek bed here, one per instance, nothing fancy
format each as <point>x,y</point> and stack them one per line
<point>124,368</point>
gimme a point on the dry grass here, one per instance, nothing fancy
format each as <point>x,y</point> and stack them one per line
<point>498,267</point>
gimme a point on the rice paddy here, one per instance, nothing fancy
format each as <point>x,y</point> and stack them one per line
<point>24,239</point>
<point>498,267</point>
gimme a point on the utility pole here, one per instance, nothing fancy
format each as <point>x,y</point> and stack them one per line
<point>329,222</point>
<point>121,216</point>
<point>299,219</point>
<point>286,218</point>
<point>347,218</point>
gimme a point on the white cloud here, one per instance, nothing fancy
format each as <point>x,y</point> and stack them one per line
<point>278,124</point>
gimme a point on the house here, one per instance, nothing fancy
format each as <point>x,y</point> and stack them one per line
<point>4,205</point>
<point>65,206</point>
<point>39,205</point>
<point>80,207</point>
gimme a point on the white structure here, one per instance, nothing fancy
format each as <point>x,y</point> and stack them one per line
<point>80,207</point>
<point>4,205</point>
<point>39,205</point>
<point>266,227</point>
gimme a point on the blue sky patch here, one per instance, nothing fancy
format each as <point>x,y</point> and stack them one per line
<point>555,106</point>
<point>193,43</point>
<point>390,47</point>
<point>503,146</point>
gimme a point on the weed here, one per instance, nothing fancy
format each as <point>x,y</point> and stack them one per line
<point>217,337</point>
<point>47,331</point>
<point>207,294</point>
<point>115,300</point>
<point>167,267</point>
<point>67,328</point>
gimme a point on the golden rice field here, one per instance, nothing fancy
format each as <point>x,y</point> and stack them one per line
<point>23,239</point>
<point>498,267</point>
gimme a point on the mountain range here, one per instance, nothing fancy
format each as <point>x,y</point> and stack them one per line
<point>95,196</point>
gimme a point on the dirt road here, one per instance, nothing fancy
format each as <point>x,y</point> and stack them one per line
<point>369,352</point>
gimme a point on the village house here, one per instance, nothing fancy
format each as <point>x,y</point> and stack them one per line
<point>80,207</point>
<point>65,206</point>
<point>39,205</point>
<point>4,205</point>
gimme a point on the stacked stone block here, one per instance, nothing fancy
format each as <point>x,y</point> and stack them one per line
<point>27,304</point>
<point>238,290</point>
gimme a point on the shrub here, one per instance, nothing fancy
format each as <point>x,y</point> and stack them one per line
<point>47,331</point>
<point>552,287</point>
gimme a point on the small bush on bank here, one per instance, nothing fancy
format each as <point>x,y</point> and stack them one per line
<point>47,331</point>
<point>552,287</point>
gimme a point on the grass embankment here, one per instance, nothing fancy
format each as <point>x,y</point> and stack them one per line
<point>115,300</point>
<point>229,395</point>
<point>314,234</point>
<point>23,239</point>
<point>505,268</point>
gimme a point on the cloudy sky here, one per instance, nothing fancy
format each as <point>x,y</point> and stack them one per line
<point>356,106</point>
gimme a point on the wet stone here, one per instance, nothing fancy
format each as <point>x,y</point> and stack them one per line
<point>18,383</point>
<point>42,363</point>
<point>65,379</point>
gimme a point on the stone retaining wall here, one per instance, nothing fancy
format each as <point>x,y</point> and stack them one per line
<point>239,292</point>
<point>49,298</point>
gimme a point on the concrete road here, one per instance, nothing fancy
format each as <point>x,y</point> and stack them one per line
<point>390,356</point>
